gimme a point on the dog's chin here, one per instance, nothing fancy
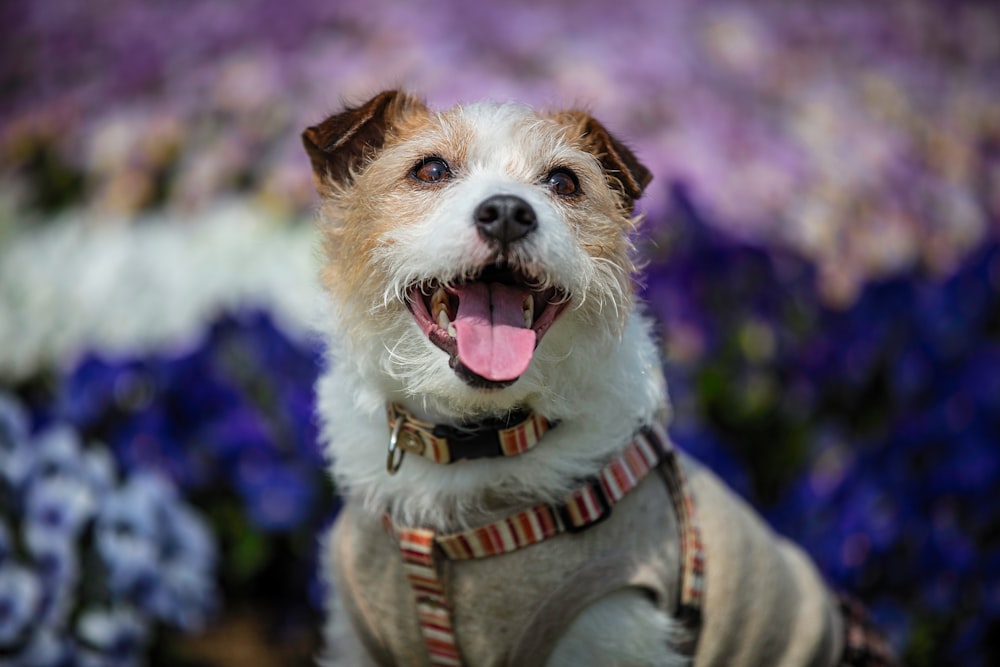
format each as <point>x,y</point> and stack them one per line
<point>489,325</point>
<point>477,381</point>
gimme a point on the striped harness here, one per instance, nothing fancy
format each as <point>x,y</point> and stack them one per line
<point>422,549</point>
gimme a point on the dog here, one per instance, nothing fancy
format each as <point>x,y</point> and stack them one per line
<point>494,408</point>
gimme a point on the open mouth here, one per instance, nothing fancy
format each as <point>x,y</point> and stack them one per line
<point>489,325</point>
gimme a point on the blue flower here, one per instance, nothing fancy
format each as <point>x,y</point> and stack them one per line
<point>89,391</point>
<point>57,508</point>
<point>20,599</point>
<point>13,425</point>
<point>57,563</point>
<point>889,411</point>
<point>47,647</point>
<point>125,538</point>
<point>185,594</point>
<point>112,638</point>
<point>6,542</point>
<point>88,564</point>
<point>56,454</point>
<point>277,496</point>
<point>157,553</point>
<point>16,459</point>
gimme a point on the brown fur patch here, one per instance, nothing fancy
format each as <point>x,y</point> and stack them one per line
<point>621,166</point>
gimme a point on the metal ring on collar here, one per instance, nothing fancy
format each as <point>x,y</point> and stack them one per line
<point>394,459</point>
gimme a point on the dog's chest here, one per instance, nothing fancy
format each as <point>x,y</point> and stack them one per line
<point>500,603</point>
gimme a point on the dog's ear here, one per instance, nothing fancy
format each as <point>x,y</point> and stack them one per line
<point>626,173</point>
<point>343,143</point>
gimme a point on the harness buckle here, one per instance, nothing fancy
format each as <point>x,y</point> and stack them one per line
<point>469,444</point>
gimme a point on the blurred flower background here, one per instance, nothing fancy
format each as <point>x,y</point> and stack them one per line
<point>823,258</point>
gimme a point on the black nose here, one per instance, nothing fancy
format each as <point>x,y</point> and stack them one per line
<point>505,218</point>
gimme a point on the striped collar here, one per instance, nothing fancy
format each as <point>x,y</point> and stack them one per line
<point>443,443</point>
<point>592,502</point>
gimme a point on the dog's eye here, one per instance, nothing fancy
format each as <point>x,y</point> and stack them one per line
<point>563,182</point>
<point>431,170</point>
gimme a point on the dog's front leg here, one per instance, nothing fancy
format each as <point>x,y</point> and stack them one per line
<point>343,648</point>
<point>622,629</point>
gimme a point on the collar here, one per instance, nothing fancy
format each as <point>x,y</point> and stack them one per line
<point>443,443</point>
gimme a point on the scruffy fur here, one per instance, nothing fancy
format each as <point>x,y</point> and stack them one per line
<point>596,371</point>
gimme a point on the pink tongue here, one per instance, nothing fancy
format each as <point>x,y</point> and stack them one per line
<point>489,327</point>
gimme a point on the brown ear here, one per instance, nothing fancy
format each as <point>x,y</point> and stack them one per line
<point>619,163</point>
<point>342,143</point>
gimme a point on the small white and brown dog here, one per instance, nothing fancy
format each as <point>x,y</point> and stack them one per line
<point>493,413</point>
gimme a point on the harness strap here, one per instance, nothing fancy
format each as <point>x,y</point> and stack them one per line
<point>691,547</point>
<point>586,506</point>
<point>433,611</point>
<point>446,444</point>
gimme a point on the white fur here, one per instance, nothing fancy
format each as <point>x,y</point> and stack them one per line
<point>622,629</point>
<point>597,371</point>
<point>600,392</point>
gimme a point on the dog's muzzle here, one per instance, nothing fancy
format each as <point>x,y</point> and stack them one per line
<point>489,324</point>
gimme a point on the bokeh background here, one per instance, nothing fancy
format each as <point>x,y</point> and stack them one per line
<point>822,242</point>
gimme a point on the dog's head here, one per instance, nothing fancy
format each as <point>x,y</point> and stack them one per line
<point>458,243</point>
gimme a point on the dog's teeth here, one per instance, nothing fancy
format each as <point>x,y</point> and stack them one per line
<point>529,311</point>
<point>451,330</point>
<point>439,307</point>
<point>439,299</point>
